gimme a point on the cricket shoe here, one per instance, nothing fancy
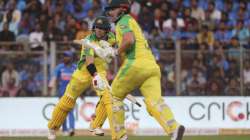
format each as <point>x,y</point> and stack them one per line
<point>125,137</point>
<point>51,134</point>
<point>178,133</point>
<point>71,132</point>
<point>97,131</point>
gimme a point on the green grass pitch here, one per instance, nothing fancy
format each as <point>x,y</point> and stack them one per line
<point>245,137</point>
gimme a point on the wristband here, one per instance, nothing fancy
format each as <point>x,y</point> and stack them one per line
<point>92,69</point>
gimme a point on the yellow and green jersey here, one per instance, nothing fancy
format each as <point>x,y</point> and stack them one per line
<point>140,48</point>
<point>99,62</point>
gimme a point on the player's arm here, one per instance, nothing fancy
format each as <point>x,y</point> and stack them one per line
<point>89,57</point>
<point>97,81</point>
<point>128,40</point>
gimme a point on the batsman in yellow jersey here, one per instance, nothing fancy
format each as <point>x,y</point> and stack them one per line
<point>138,70</point>
<point>91,69</point>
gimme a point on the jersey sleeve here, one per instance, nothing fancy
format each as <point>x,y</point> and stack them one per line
<point>124,26</point>
<point>111,39</point>
<point>88,52</point>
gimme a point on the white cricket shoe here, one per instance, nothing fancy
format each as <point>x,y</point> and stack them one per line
<point>178,133</point>
<point>51,134</point>
<point>125,137</point>
<point>97,131</point>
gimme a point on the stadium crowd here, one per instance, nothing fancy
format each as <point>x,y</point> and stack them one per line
<point>214,37</point>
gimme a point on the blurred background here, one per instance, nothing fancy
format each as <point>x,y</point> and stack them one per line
<point>202,47</point>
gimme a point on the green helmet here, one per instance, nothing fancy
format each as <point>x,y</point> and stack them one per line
<point>118,3</point>
<point>102,23</point>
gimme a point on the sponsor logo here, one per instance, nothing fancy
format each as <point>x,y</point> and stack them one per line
<point>235,111</point>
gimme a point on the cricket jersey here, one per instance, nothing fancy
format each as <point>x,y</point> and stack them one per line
<point>140,49</point>
<point>100,64</point>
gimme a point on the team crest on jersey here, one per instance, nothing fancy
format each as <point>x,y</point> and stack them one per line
<point>123,26</point>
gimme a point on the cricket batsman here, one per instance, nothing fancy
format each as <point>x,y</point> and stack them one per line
<point>138,70</point>
<point>91,69</point>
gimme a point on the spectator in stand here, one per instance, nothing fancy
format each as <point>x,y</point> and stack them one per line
<point>206,36</point>
<point>228,8</point>
<point>165,7</point>
<point>146,19</point>
<point>197,12</point>
<point>43,21</point>
<point>2,5</point>
<point>189,21</point>
<point>199,62</point>
<point>246,77</point>
<point>155,35</point>
<point>59,8</point>
<point>214,88</point>
<point>1,21</point>
<point>34,7</point>
<point>224,19</point>
<point>52,32</point>
<point>6,34</point>
<point>59,22</point>
<point>242,14</point>
<point>241,32</point>
<point>218,63</point>
<point>196,83</point>
<point>233,88</point>
<point>13,16</point>
<point>10,80</point>
<point>70,30</point>
<point>90,18</point>
<point>158,19</point>
<point>25,24</point>
<point>174,22</point>
<point>218,75</point>
<point>233,72</point>
<point>96,6</point>
<point>81,8</point>
<point>30,87</point>
<point>222,34</point>
<point>48,7</point>
<point>36,38</point>
<point>234,49</point>
<point>135,8</point>
<point>214,14</point>
<point>170,88</point>
<point>83,31</point>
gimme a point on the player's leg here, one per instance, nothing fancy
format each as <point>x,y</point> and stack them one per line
<point>103,110</point>
<point>71,122</point>
<point>126,81</point>
<point>99,119</point>
<point>76,86</point>
<point>64,126</point>
<point>151,90</point>
<point>107,102</point>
